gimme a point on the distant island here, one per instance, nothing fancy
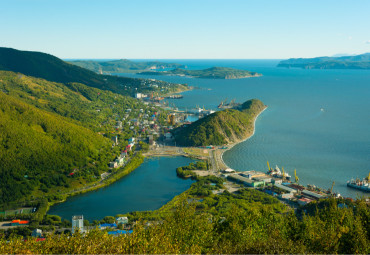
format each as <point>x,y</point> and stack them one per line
<point>123,65</point>
<point>222,127</point>
<point>210,73</point>
<point>345,62</point>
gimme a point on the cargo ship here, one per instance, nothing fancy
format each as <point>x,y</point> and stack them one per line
<point>278,173</point>
<point>363,185</point>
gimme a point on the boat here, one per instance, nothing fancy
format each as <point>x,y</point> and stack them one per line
<point>363,185</point>
<point>278,174</point>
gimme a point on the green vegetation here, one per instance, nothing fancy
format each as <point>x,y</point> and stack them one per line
<point>221,127</point>
<point>348,62</point>
<point>254,229</point>
<point>185,171</point>
<point>39,149</point>
<point>51,68</point>
<point>48,131</point>
<point>122,65</point>
<point>210,73</point>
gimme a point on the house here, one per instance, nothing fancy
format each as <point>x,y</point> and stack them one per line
<point>131,140</point>
<point>115,139</point>
<point>122,220</point>
<point>168,136</point>
<point>19,222</point>
<point>37,233</point>
<point>113,164</point>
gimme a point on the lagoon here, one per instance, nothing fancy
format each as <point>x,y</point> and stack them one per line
<point>153,184</point>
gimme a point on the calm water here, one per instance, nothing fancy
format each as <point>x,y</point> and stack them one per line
<point>149,187</point>
<point>324,146</point>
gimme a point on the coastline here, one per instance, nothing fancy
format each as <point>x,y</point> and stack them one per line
<point>230,146</point>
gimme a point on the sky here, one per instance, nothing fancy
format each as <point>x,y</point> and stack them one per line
<point>186,29</point>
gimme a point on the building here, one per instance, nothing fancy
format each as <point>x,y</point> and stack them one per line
<point>19,222</point>
<point>113,164</point>
<point>37,233</point>
<point>77,223</point>
<point>168,136</point>
<point>115,139</point>
<point>312,194</point>
<point>246,181</point>
<point>304,201</point>
<point>131,140</point>
<point>253,174</point>
<point>150,139</point>
<point>285,188</point>
<point>122,220</point>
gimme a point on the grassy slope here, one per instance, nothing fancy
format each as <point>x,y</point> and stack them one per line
<point>221,127</point>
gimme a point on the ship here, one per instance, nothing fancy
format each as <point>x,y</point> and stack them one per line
<point>363,185</point>
<point>278,174</point>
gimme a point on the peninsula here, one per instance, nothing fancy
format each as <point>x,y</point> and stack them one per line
<point>346,62</point>
<point>209,73</point>
<point>222,127</point>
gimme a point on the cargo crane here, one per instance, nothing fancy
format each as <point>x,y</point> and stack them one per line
<point>332,186</point>
<point>296,177</point>
<point>268,166</point>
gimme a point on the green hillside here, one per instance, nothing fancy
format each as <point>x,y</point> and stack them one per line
<point>347,62</point>
<point>39,149</point>
<point>221,127</point>
<point>210,73</point>
<point>51,68</point>
<point>89,106</point>
<point>122,65</point>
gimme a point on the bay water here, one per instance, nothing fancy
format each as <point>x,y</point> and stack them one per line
<point>317,121</point>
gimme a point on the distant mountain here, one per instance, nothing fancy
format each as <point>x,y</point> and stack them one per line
<point>345,62</point>
<point>51,68</point>
<point>222,127</point>
<point>210,73</point>
<point>123,65</point>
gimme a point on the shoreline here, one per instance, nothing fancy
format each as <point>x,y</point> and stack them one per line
<point>230,146</point>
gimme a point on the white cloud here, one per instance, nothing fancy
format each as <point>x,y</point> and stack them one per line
<point>349,37</point>
<point>367,42</point>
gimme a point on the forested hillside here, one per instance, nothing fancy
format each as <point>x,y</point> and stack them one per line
<point>122,65</point>
<point>39,149</point>
<point>347,62</point>
<point>221,127</point>
<point>51,68</point>
<point>89,106</point>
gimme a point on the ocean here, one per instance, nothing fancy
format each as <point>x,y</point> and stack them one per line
<point>317,121</point>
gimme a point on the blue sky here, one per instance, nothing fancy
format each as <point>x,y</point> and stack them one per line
<point>203,29</point>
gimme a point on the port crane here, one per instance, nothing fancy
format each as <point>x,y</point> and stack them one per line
<point>332,186</point>
<point>268,166</point>
<point>296,177</point>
